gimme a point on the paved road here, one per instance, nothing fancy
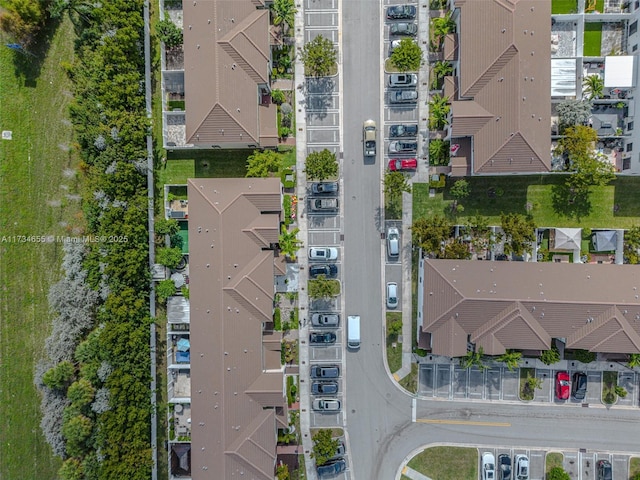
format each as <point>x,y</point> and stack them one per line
<point>384,423</point>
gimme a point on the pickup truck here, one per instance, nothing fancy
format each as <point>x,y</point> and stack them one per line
<point>403,96</point>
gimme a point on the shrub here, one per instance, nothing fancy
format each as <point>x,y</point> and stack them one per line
<point>551,356</point>
<point>276,320</point>
<point>278,97</point>
<point>169,257</point>
<point>585,356</point>
<point>167,226</point>
<point>165,289</point>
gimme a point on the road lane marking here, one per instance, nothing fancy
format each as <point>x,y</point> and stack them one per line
<point>463,422</point>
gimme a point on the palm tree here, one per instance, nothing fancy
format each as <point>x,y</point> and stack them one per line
<point>438,112</point>
<point>442,69</point>
<point>441,27</point>
<point>438,152</point>
<point>593,86</point>
<point>289,243</point>
<point>284,13</point>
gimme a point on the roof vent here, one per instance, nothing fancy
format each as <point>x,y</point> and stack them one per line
<point>524,98</point>
<point>532,52</point>
<point>525,32</point>
<point>189,27</point>
<point>233,20</point>
<point>501,79</point>
<point>209,21</point>
<point>238,109</point>
<point>504,30</point>
<point>198,46</point>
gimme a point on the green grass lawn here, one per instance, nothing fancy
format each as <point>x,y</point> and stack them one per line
<point>214,163</point>
<point>563,6</point>
<point>394,355</point>
<point>613,206</point>
<point>447,463</point>
<point>592,39</point>
<point>634,466</point>
<point>410,382</point>
<point>553,459</point>
<point>37,184</point>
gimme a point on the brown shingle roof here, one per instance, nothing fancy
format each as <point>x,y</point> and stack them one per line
<point>226,56</point>
<point>234,379</point>
<point>521,305</point>
<point>504,69</point>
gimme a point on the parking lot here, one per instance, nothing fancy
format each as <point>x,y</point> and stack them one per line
<point>453,382</point>
<point>580,465</point>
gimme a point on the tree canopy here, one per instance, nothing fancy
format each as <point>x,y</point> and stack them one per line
<point>323,287</point>
<point>319,57</point>
<point>263,163</point>
<point>395,182</point>
<point>321,165</point>
<point>519,233</point>
<point>573,112</point>
<point>431,234</point>
<point>407,57</point>
<point>557,473</point>
<point>169,33</point>
<point>324,446</point>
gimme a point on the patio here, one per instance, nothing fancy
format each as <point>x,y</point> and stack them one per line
<point>182,420</point>
<point>563,39</point>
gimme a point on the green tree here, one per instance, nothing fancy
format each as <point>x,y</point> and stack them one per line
<point>620,391</point>
<point>474,358</point>
<point>394,328</point>
<point>573,112</point>
<point>289,242</point>
<point>324,446</point>
<point>578,142</point>
<point>76,430</point>
<point>557,473</point>
<point>165,289</point>
<point>319,57</point>
<point>589,171</point>
<point>407,57</point>
<point>440,69</point>
<point>283,12</point>
<point>551,356</point>
<point>60,376</point>
<point>440,28</point>
<point>169,257</point>
<point>282,472</point>
<point>261,164</point>
<point>323,287</point>
<point>81,393</point>
<point>482,238</point>
<point>510,358</point>
<point>169,33</point>
<point>321,165</point>
<point>395,183</point>
<point>634,360</point>
<point>460,189</point>
<point>457,250</point>
<point>593,86</point>
<point>519,232</point>
<point>439,109</point>
<point>167,226</point>
<point>431,234</point>
<point>439,151</point>
<point>278,97</point>
<point>22,18</point>
<point>71,469</point>
<point>631,245</point>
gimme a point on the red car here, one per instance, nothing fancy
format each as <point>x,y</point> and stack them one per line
<point>403,164</point>
<point>563,385</point>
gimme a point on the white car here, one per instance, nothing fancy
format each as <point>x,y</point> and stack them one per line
<point>393,242</point>
<point>323,253</point>
<point>522,467</point>
<point>326,405</point>
<point>488,466</point>
<point>392,295</point>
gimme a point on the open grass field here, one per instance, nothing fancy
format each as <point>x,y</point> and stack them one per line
<point>592,39</point>
<point>447,463</point>
<point>613,206</point>
<point>37,197</point>
<point>563,6</point>
<point>394,354</point>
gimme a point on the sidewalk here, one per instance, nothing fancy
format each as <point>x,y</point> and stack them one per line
<point>411,473</point>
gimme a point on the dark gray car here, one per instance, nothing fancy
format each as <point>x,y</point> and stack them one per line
<point>324,188</point>
<point>332,468</point>
<point>324,388</point>
<point>579,385</point>
<point>403,130</point>
<point>325,371</point>
<point>322,338</point>
<point>504,467</point>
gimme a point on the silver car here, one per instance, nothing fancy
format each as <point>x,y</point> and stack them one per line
<point>392,295</point>
<point>326,405</point>
<point>331,320</point>
<point>393,242</point>
<point>399,80</point>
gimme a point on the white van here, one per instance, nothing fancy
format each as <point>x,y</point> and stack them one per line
<point>353,331</point>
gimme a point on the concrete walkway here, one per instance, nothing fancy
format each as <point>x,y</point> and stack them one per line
<point>411,473</point>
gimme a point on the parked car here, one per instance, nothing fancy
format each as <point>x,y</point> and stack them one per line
<point>340,451</point>
<point>322,338</point>
<point>369,138</point>
<point>332,468</point>
<point>322,188</point>
<point>522,467</point>
<point>331,320</point>
<point>399,146</point>
<point>563,385</point>
<point>603,467</point>
<point>403,164</point>
<point>393,242</point>
<point>403,96</point>
<point>324,204</point>
<point>579,385</point>
<point>325,371</point>
<point>488,466</point>
<point>504,467</point>
<point>404,28</point>
<point>400,80</point>
<point>393,45</point>
<point>403,130</point>
<point>329,271</point>
<point>326,405</point>
<point>392,295</point>
<point>396,12</point>
<point>323,253</point>
<point>324,388</point>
